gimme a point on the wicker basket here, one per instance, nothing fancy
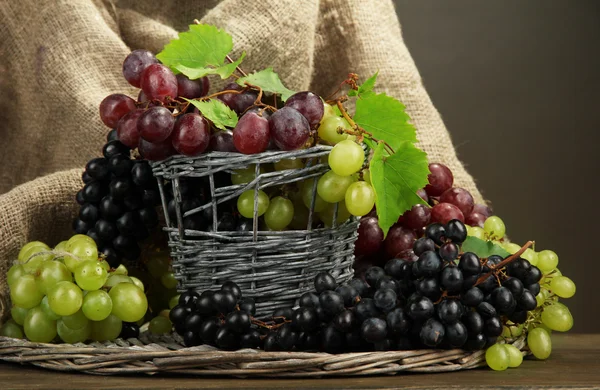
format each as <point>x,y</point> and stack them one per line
<point>274,268</point>
<point>155,354</point>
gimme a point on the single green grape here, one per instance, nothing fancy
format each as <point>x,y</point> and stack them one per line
<point>307,197</point>
<point>121,270</point>
<point>547,261</point>
<point>367,176</point>
<point>114,279</point>
<point>97,305</point>
<point>562,286</point>
<point>50,273</point>
<point>73,336</point>
<point>510,247</point>
<point>61,246</point>
<point>494,227</point>
<point>129,302</point>
<point>90,275</point>
<point>332,187</point>
<point>104,264</point>
<point>541,297</point>
<point>174,301</point>
<point>539,343</point>
<point>18,314</point>
<point>38,327</point>
<point>168,280</point>
<point>289,163</point>
<point>11,329</point>
<point>14,273</point>
<point>107,329</point>
<point>557,317</point>
<point>360,198</point>
<point>165,313</point>
<point>346,158</point>
<point>160,325</point>
<point>82,248</point>
<point>245,203</point>
<point>515,357</point>
<point>25,293</point>
<point>65,298</point>
<point>531,256</point>
<point>475,231</point>
<point>139,283</point>
<point>26,250</point>
<point>328,130</point>
<point>342,215</point>
<point>497,357</point>
<point>35,257</point>
<point>246,175</point>
<point>47,310</point>
<point>280,213</point>
<point>158,264</point>
<point>76,321</point>
<point>328,111</point>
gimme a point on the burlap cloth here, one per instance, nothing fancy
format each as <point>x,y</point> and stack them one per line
<point>59,59</point>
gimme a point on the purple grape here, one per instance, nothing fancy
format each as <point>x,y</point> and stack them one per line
<point>440,179</point>
<point>309,105</point>
<point>114,107</point>
<point>370,237</point>
<point>289,129</point>
<point>222,141</point>
<point>191,135</point>
<point>158,83</point>
<point>156,124</point>
<point>189,89</point>
<point>459,197</point>
<point>251,134</point>
<point>445,212</point>
<point>135,63</point>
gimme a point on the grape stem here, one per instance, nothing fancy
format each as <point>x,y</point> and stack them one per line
<point>504,262</point>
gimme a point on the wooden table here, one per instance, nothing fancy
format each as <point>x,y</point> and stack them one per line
<point>575,363</point>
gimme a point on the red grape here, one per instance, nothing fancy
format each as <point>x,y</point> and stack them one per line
<point>251,134</point>
<point>423,194</point>
<point>370,237</point>
<point>483,209</point>
<point>440,179</point>
<point>158,82</point>
<point>475,219</point>
<point>398,240</point>
<point>135,63</point>
<point>418,217</point>
<point>114,107</point>
<point>445,212</point>
<point>205,86</point>
<point>142,98</point>
<point>459,197</point>
<point>156,152</point>
<point>238,102</point>
<point>309,105</point>
<point>189,89</point>
<point>289,129</point>
<point>222,141</point>
<point>191,135</point>
<point>127,130</point>
<point>156,124</point>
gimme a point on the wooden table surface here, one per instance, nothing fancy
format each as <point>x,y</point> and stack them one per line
<point>575,363</point>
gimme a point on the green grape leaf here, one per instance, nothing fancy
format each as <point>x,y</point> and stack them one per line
<point>366,88</point>
<point>384,117</point>
<point>224,70</point>
<point>483,248</point>
<point>268,80</point>
<point>396,180</point>
<point>202,48</point>
<point>217,112</point>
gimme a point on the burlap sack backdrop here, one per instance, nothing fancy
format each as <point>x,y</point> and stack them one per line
<point>59,59</point>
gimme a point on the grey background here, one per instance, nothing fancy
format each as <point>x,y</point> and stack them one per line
<point>518,86</point>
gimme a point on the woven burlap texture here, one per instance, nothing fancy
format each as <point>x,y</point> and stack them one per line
<point>59,59</point>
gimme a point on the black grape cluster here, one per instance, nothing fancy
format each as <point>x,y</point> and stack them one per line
<point>118,202</point>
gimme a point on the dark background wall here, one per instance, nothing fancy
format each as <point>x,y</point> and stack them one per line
<point>518,85</point>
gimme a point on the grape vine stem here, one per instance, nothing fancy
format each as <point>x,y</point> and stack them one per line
<point>504,262</point>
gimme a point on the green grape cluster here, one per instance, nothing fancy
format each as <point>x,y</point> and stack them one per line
<point>71,294</point>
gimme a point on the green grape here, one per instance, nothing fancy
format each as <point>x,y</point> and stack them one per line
<point>65,298</point>
<point>82,248</point>
<point>510,247</point>
<point>332,187</point>
<point>73,336</point>
<point>562,286</point>
<point>76,321</point>
<point>307,196</point>
<point>107,329</point>
<point>547,261</point>
<point>38,327</point>
<point>539,343</point>
<point>557,317</point>
<point>113,280</point>
<point>476,232</point>
<point>90,275</point>
<point>14,273</point>
<point>245,203</point>
<point>543,326</point>
<point>497,357</point>
<point>288,163</point>
<point>511,331</point>
<point>47,310</point>
<point>28,249</point>
<point>50,273</point>
<point>515,357</point>
<point>328,130</point>
<point>541,297</point>
<point>168,280</point>
<point>129,302</point>
<point>174,301</point>
<point>61,246</point>
<point>367,176</point>
<point>25,293</point>
<point>104,264</point>
<point>120,270</point>
<point>346,158</point>
<point>494,227</point>
<point>531,256</point>
<point>327,215</point>
<point>165,313</point>
<point>18,314</point>
<point>160,325</point>
<point>97,305</point>
<point>158,264</point>
<point>360,198</point>
<point>328,111</point>
<point>11,329</point>
<point>35,257</point>
<point>139,283</point>
<point>246,175</point>
<point>280,213</point>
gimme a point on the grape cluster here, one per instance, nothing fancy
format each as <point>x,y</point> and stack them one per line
<point>118,202</point>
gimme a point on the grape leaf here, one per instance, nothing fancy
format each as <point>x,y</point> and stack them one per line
<point>268,80</point>
<point>396,180</point>
<point>201,48</point>
<point>366,88</point>
<point>217,112</point>
<point>224,70</point>
<point>384,117</point>
<point>483,248</point>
